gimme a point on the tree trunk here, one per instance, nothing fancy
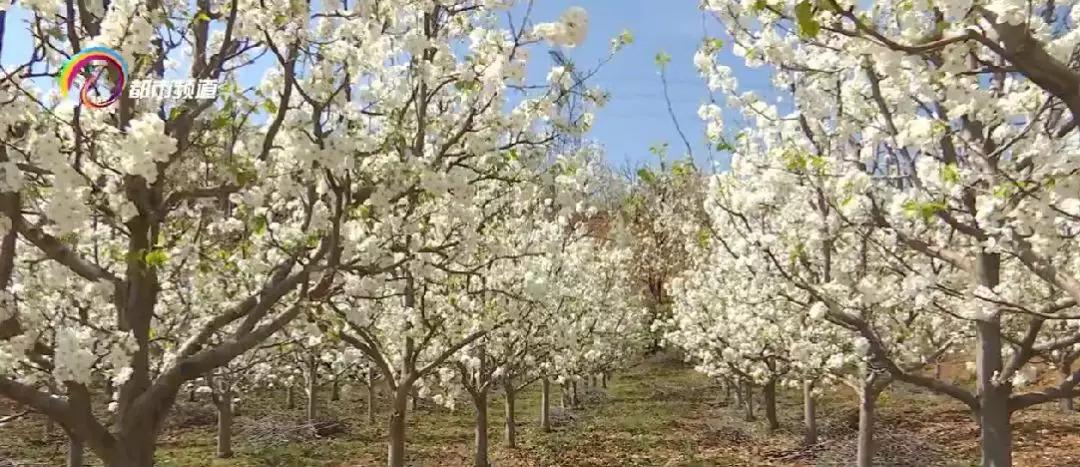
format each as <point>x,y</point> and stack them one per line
<point>135,448</point>
<point>508,414</point>
<point>603,380</point>
<point>809,413</point>
<point>335,390</point>
<point>481,428</point>
<point>1066,403</point>
<point>191,394</point>
<point>575,402</point>
<point>415,401</point>
<point>396,443</point>
<point>312,389</point>
<point>769,396</point>
<point>864,456</point>
<point>995,430</point>
<point>290,398</point>
<point>224,425</point>
<point>545,405</point>
<point>748,401</point>
<point>565,395</point>
<point>371,395</point>
<point>75,451</point>
<point>995,437</point>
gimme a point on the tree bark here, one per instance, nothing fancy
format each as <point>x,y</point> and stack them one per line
<point>769,396</point>
<point>481,428</point>
<point>371,395</point>
<point>995,440</point>
<point>312,389</point>
<point>868,392</point>
<point>224,424</point>
<point>414,401</point>
<point>290,398</point>
<point>335,390</point>
<point>748,401</point>
<point>575,402</point>
<point>809,413</point>
<point>864,456</point>
<point>545,405</point>
<point>510,433</point>
<point>191,395</point>
<point>603,380</point>
<point>75,451</point>
<point>396,438</point>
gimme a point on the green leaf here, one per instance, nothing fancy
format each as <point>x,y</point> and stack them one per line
<point>950,174</point>
<point>703,237</point>
<point>646,175</point>
<point>270,107</point>
<point>794,161</point>
<point>713,45</point>
<point>156,258</point>
<point>259,225</point>
<point>202,16</point>
<point>804,16</point>
<point>925,211</point>
<point>219,122</point>
<point>759,5</point>
<point>662,59</point>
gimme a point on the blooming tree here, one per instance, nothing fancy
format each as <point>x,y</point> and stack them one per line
<point>933,136</point>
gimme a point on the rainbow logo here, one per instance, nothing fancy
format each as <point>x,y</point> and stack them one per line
<point>87,58</point>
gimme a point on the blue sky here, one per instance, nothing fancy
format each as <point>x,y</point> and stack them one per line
<point>636,117</point>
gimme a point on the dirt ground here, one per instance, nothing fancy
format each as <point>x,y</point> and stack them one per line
<point>657,414</point>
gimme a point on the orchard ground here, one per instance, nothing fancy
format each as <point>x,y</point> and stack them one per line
<point>659,413</point>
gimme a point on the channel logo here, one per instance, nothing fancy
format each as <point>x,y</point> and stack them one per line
<point>97,61</point>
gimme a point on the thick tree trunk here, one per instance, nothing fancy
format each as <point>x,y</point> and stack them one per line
<point>371,395</point>
<point>135,449</point>
<point>995,438</point>
<point>396,438</point>
<point>224,424</point>
<point>75,451</point>
<point>769,396</point>
<point>510,433</point>
<point>480,456</point>
<point>604,380</point>
<point>809,413</point>
<point>312,390</point>
<point>545,405</point>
